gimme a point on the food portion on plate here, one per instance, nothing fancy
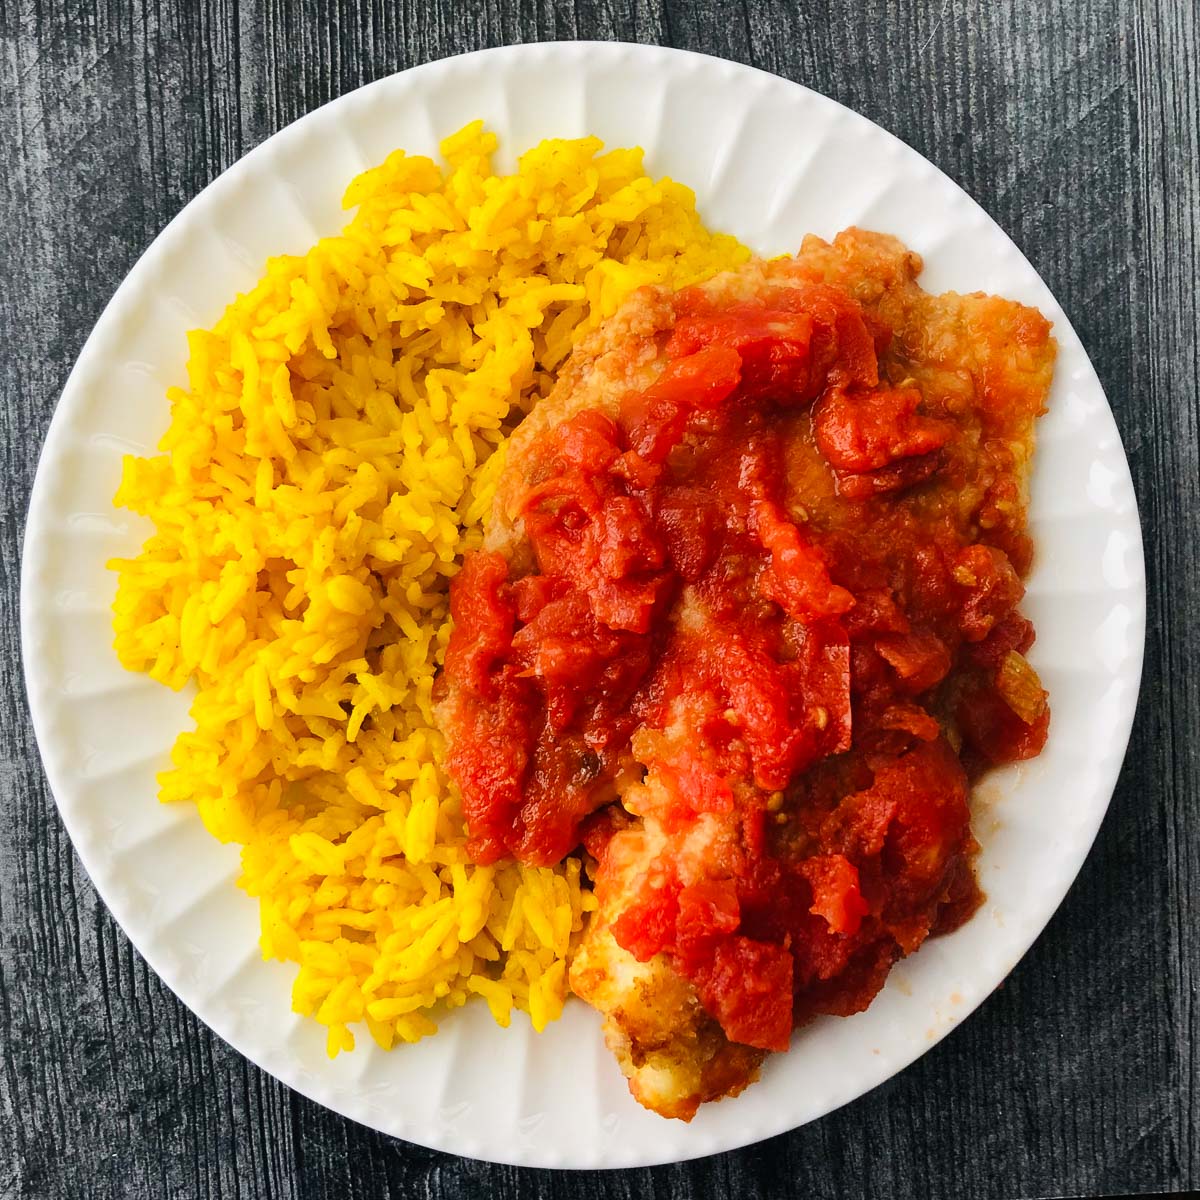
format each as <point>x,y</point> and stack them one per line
<point>745,624</point>
<point>573,599</point>
<point>326,467</point>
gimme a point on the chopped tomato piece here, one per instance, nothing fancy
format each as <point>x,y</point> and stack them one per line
<point>920,659</point>
<point>845,341</point>
<point>697,786</point>
<point>989,587</point>
<point>748,989</point>
<point>897,477</point>
<point>654,420</point>
<point>702,380</point>
<point>773,347</point>
<point>689,520</point>
<point>584,527</point>
<point>483,605</point>
<point>836,895</point>
<point>797,578</point>
<point>1014,632</point>
<point>910,718</point>
<point>745,328</point>
<point>648,925</point>
<point>707,908</point>
<point>863,431</point>
<point>996,732</point>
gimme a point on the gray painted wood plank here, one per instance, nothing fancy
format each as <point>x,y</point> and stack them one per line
<point>1075,125</point>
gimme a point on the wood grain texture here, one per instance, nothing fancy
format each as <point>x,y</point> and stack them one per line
<point>1075,124</point>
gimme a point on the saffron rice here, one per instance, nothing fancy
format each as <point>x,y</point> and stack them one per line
<point>327,465</point>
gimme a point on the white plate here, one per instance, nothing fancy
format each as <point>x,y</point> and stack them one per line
<point>769,161</point>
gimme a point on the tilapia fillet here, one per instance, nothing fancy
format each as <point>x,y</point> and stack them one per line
<point>751,581</point>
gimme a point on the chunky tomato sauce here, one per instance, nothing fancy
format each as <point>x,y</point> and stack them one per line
<point>757,606</point>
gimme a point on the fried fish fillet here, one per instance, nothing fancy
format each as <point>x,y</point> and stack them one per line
<point>976,353</point>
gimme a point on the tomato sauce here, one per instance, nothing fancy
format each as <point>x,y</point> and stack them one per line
<point>760,605</point>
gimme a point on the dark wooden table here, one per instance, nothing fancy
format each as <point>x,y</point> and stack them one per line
<point>1075,124</point>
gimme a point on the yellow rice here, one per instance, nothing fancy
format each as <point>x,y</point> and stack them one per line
<point>328,463</point>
